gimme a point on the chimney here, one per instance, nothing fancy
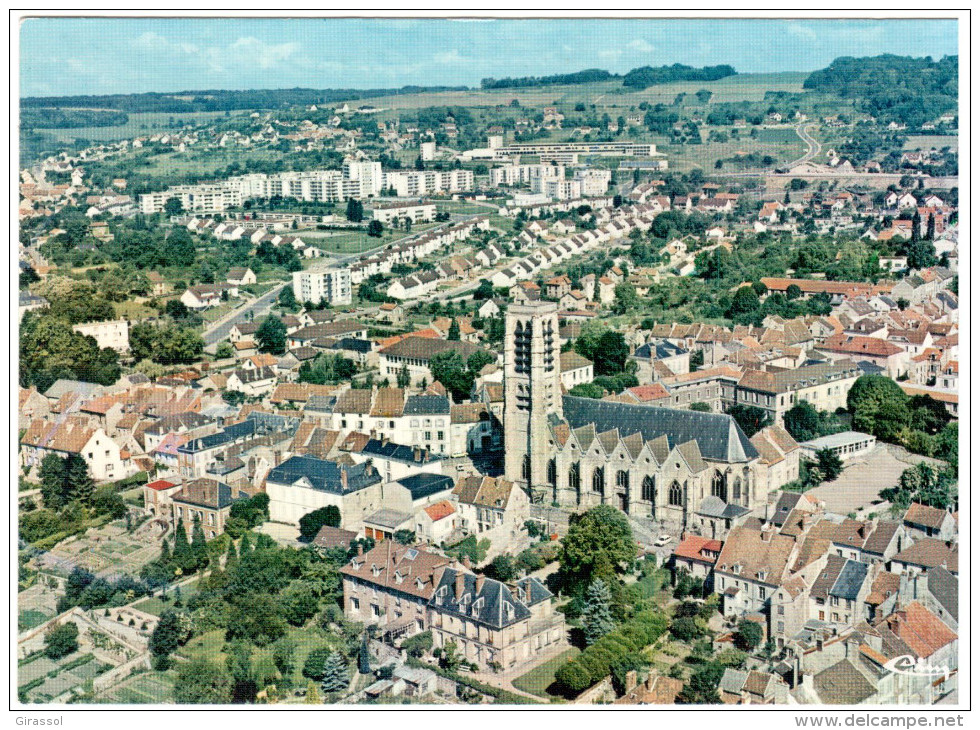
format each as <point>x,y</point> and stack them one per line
<point>343,478</point>
<point>460,584</point>
<point>480,580</point>
<point>360,548</point>
<point>631,680</point>
<point>415,454</point>
<point>466,562</point>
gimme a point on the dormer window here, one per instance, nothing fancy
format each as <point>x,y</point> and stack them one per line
<point>419,583</point>
<point>375,570</point>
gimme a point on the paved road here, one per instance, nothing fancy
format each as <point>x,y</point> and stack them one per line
<point>813,147</point>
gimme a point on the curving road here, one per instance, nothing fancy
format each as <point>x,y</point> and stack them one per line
<point>813,147</point>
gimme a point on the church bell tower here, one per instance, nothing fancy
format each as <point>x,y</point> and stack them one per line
<point>532,392</point>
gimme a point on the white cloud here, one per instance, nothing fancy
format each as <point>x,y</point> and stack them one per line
<point>640,45</point>
<point>802,31</point>
<point>264,55</point>
<point>448,57</point>
<point>610,53</point>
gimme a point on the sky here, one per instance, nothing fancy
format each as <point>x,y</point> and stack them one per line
<point>61,56</point>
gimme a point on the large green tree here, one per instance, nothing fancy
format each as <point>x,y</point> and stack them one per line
<point>599,544</point>
<point>271,335</point>
<point>597,620</point>
<point>878,406</point>
<point>201,681</point>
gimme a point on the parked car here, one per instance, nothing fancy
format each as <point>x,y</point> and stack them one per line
<point>662,540</point>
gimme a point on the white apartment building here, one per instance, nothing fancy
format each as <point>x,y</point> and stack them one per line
<point>416,183</point>
<point>562,189</point>
<point>209,198</point>
<point>332,286</point>
<point>594,181</point>
<point>114,334</point>
<point>613,149</point>
<point>531,175</point>
<point>368,173</point>
<point>428,151</point>
<point>416,212</point>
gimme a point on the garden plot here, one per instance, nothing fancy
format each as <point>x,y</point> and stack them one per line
<point>108,552</point>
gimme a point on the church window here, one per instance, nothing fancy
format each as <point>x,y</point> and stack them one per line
<point>599,480</point>
<point>552,473</point>
<point>575,477</point>
<point>675,495</point>
<point>649,489</point>
<point>718,486</point>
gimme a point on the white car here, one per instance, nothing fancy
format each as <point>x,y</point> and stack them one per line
<point>662,540</point>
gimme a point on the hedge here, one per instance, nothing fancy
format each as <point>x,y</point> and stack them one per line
<point>597,661</point>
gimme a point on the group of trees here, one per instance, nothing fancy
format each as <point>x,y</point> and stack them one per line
<point>50,349</point>
<point>616,652</point>
<point>327,368</point>
<point>84,589</point>
<point>166,344</point>
<point>457,374</point>
<point>879,406</point>
<point>646,76</point>
<point>933,486</point>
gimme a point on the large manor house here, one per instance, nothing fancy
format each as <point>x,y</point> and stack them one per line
<point>682,468</point>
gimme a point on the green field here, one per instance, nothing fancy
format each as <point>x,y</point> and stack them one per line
<point>30,618</point>
<point>606,94</point>
<point>139,125</point>
<point>539,679</point>
<point>928,142</point>
<point>143,689</point>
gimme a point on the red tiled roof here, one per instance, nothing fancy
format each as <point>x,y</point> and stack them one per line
<point>160,485</point>
<point>439,510</point>
<point>692,545</point>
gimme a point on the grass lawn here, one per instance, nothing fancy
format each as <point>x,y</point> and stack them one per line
<point>148,688</point>
<point>30,618</point>
<point>156,606</point>
<point>539,679</point>
<point>348,242</point>
<point>928,142</point>
<point>209,645</point>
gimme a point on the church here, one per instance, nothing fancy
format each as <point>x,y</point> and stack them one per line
<point>683,469</point>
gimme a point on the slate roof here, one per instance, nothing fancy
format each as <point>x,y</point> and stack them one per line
<point>426,405</point>
<point>488,606</point>
<point>325,476</point>
<point>714,507</point>
<point>718,437</point>
<point>484,491</point>
<point>397,452</point>
<point>424,348</point>
<point>425,484</point>
<point>945,588</point>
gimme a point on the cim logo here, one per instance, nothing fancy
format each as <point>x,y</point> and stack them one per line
<point>908,664</point>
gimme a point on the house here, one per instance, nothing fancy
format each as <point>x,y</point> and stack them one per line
<point>924,554</point>
<point>697,555</point>
<point>74,436</point>
<point>157,497</point>
<point>491,308</point>
<point>493,624</point>
<point>491,504</point>
<point>206,502</point>
<point>205,296</point>
<point>414,353</point>
<point>252,382</point>
<point>923,521</point>
<point>239,276</point>
<point>674,359</point>
<point>391,313</point>
<point>329,538</point>
<point>302,484</point>
<point>435,523</point>
<point>751,567</point>
<point>575,369</point>
<point>752,687</point>
<point>391,586</point>
<point>656,690</point>
<point>886,355</point>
